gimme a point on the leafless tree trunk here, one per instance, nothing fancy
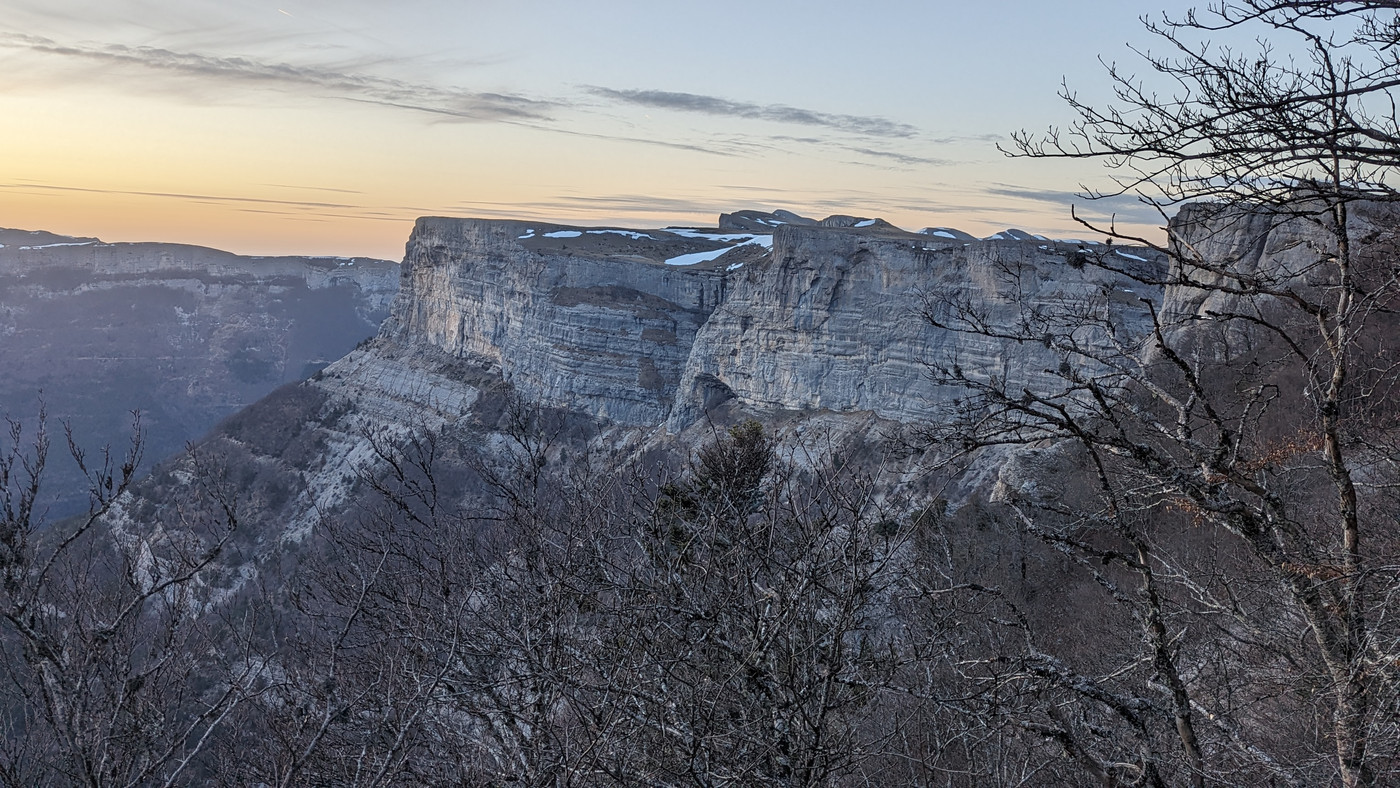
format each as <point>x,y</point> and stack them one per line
<point>1244,409</point>
<point>108,676</point>
<point>731,627</point>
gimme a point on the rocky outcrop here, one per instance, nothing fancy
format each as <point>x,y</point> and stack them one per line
<point>634,343</point>
<point>760,221</point>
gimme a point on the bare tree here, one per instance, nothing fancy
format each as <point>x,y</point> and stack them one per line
<point>1238,446</point>
<point>758,640</point>
<point>109,679</point>
<point>733,626</point>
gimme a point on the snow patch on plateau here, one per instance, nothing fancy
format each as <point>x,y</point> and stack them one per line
<point>766,241</point>
<point>697,257</point>
<point>690,232</point>
<point>629,233</point>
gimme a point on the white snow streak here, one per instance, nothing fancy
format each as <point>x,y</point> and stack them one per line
<point>688,232</point>
<point>698,257</point>
<point>630,234</point>
<point>766,241</point>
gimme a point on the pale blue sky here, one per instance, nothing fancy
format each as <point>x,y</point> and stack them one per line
<point>326,127</point>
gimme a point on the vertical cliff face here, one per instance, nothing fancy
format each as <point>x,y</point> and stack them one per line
<point>832,318</point>
<point>836,321</point>
<point>1228,254</point>
<point>589,326</point>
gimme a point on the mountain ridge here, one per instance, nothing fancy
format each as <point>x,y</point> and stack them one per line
<point>818,335</point>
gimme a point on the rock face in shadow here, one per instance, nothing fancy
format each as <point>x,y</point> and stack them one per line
<point>185,335</point>
<point>643,340</point>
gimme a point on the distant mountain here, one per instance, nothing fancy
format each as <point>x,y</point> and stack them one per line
<point>183,334</point>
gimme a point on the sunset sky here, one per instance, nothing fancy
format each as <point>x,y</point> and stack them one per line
<point>319,127</point>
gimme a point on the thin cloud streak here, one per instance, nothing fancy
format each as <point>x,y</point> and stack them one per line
<point>296,187</point>
<point>1123,206</point>
<point>321,217</point>
<point>463,105</point>
<point>623,203</point>
<point>617,207</point>
<point>457,103</point>
<point>299,208</point>
<point>619,138</point>
<point>174,195</point>
<point>901,158</point>
<point>777,113</point>
<point>906,159</point>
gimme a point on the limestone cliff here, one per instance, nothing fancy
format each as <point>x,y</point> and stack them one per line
<point>830,318</point>
<point>587,320</point>
<point>835,321</point>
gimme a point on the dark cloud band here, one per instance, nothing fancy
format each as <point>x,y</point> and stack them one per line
<point>875,136</point>
<point>777,113</point>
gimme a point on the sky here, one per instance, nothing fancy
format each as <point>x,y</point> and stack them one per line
<point>328,126</point>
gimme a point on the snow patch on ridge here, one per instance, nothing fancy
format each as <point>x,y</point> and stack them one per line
<point>697,257</point>
<point>629,233</point>
<point>746,239</point>
<point>691,232</point>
